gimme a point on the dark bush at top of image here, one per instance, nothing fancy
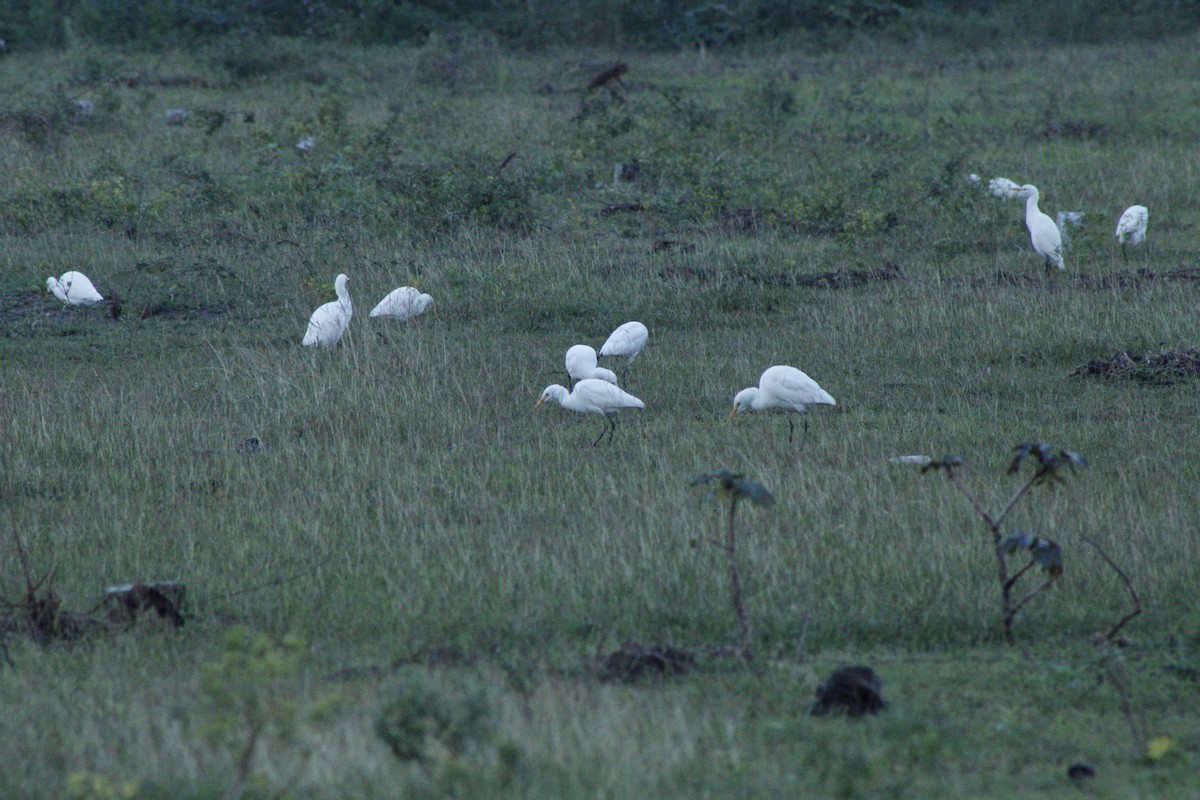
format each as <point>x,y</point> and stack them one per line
<point>658,23</point>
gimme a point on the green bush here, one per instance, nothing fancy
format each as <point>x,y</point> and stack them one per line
<point>423,722</point>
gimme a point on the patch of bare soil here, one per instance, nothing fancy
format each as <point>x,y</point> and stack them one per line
<point>1169,366</point>
<point>171,311</point>
<point>837,279</point>
<point>1125,279</point>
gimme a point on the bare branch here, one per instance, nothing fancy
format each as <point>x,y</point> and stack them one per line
<point>1137,601</point>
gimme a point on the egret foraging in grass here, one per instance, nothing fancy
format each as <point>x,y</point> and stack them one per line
<point>402,304</point>
<point>592,396</point>
<point>1043,233</point>
<point>74,289</point>
<point>581,364</point>
<point>329,322</point>
<point>627,340</point>
<point>1132,224</point>
<point>785,389</point>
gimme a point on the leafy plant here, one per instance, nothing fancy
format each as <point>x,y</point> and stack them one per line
<point>425,724</point>
<point>250,692</point>
<point>1048,467</point>
<point>731,488</point>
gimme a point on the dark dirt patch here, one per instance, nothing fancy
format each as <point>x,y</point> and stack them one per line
<point>1125,279</point>
<point>170,311</point>
<point>1073,129</point>
<point>633,662</point>
<point>1170,366</point>
<point>852,691</point>
<point>837,279</point>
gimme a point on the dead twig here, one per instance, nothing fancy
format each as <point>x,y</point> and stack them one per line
<point>1137,601</point>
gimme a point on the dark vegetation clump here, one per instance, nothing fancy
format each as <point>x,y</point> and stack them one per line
<point>1167,367</point>
<point>852,691</point>
<point>633,662</point>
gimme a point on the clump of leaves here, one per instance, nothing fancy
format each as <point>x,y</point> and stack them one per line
<point>251,693</point>
<point>430,725</point>
<point>1047,468</point>
<point>730,488</point>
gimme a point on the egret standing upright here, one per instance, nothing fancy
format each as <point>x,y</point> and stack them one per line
<point>1043,233</point>
<point>329,321</point>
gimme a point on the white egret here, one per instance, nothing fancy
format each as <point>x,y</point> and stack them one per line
<point>627,340</point>
<point>1002,187</point>
<point>592,396</point>
<point>402,304</point>
<point>786,389</point>
<point>581,364</point>
<point>1043,233</point>
<point>74,289</point>
<point>329,322</point>
<point>1132,224</point>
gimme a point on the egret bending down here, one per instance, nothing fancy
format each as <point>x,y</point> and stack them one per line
<point>1132,224</point>
<point>627,340</point>
<point>592,396</point>
<point>74,289</point>
<point>329,322</point>
<point>1043,233</point>
<point>581,364</point>
<point>402,304</point>
<point>786,389</point>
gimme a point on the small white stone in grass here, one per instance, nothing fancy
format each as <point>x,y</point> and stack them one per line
<point>912,461</point>
<point>306,143</point>
<point>176,116</point>
<point>84,107</point>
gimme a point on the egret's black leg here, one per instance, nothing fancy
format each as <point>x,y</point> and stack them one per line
<point>601,436</point>
<point>804,438</point>
<point>612,422</point>
<point>1124,255</point>
<point>791,428</point>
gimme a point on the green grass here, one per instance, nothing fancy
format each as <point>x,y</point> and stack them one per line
<point>413,503</point>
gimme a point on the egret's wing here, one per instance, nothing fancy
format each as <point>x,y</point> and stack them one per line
<point>603,397</point>
<point>628,338</point>
<point>794,388</point>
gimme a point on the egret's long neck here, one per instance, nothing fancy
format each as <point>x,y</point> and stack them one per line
<point>1031,206</point>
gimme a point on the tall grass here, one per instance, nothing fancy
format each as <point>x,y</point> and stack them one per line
<point>413,506</point>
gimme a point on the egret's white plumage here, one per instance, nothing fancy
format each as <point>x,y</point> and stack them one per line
<point>74,289</point>
<point>1043,233</point>
<point>626,341</point>
<point>329,322</point>
<point>1133,225</point>
<point>402,304</point>
<point>581,364</point>
<point>785,389</point>
<point>592,396</point>
<point>1002,187</point>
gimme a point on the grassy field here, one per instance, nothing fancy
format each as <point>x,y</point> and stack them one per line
<point>425,534</point>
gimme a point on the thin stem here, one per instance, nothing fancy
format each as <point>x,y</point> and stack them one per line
<point>1137,601</point>
<point>735,587</point>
